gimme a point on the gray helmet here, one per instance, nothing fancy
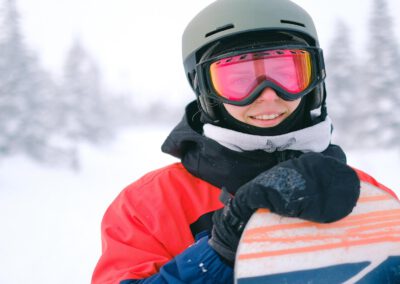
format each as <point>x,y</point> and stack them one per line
<point>224,20</point>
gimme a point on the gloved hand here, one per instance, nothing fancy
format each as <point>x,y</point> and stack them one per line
<point>313,187</point>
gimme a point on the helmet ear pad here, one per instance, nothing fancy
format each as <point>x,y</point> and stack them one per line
<point>207,105</point>
<point>210,109</point>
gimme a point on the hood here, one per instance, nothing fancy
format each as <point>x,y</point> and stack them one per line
<point>219,165</point>
<point>212,162</point>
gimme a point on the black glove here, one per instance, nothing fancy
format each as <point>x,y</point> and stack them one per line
<point>312,187</point>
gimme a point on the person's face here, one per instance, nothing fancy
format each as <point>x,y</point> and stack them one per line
<point>268,110</point>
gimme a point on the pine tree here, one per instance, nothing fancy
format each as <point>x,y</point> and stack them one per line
<point>28,95</point>
<point>380,124</point>
<point>44,119</point>
<point>83,107</point>
<point>342,85</point>
<point>11,104</point>
<point>25,95</point>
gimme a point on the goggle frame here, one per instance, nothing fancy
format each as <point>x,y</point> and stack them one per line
<point>318,75</point>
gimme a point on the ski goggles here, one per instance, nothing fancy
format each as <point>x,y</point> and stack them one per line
<point>239,78</point>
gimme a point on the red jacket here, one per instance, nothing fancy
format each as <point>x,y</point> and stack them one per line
<point>148,224</point>
<point>153,221</point>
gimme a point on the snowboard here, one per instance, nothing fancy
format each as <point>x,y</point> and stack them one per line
<point>363,248</point>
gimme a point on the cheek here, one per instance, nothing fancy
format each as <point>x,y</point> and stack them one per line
<point>292,105</point>
<point>237,112</point>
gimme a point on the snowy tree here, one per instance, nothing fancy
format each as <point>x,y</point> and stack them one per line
<point>12,104</point>
<point>380,102</point>
<point>83,108</point>
<point>45,119</point>
<point>26,94</point>
<point>342,85</point>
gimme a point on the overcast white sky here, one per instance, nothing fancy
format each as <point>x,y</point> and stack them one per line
<point>126,35</point>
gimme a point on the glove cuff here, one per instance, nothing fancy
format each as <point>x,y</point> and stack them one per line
<point>224,251</point>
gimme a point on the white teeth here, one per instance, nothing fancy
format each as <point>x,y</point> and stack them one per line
<point>266,116</point>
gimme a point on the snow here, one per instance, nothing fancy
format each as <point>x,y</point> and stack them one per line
<point>50,217</point>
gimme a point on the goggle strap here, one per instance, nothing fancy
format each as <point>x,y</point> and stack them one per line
<point>324,110</point>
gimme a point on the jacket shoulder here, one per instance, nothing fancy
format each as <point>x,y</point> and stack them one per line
<point>171,189</point>
<point>174,175</point>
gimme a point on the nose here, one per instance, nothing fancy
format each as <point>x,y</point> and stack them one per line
<point>268,94</point>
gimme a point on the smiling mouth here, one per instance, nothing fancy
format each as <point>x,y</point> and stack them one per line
<point>267,116</point>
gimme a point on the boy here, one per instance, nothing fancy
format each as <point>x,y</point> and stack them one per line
<point>258,136</point>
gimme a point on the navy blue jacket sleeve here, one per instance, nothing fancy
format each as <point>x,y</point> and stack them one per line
<point>198,264</point>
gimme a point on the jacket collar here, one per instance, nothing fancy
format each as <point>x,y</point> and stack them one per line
<point>214,163</point>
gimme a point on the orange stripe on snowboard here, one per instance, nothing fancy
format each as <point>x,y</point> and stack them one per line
<point>383,239</point>
<point>361,232</point>
<point>353,220</point>
<point>361,229</point>
<point>374,198</point>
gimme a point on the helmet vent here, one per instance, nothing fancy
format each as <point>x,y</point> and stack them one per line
<point>220,29</point>
<point>293,23</point>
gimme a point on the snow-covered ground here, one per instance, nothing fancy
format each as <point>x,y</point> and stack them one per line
<point>50,218</point>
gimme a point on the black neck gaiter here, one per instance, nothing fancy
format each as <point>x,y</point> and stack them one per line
<point>299,119</point>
